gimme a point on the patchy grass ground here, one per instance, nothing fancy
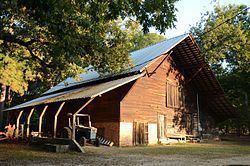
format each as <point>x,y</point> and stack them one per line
<point>213,153</point>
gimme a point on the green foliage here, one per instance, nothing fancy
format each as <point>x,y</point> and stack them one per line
<point>227,43</point>
<point>138,39</point>
<point>223,36</point>
<point>55,39</point>
<point>14,72</point>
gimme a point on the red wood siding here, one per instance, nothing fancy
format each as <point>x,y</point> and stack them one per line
<point>139,101</point>
<point>104,112</point>
<point>147,98</point>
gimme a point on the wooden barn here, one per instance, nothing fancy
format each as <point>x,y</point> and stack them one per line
<point>170,92</point>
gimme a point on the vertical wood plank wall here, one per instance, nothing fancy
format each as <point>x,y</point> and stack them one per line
<point>147,98</point>
<point>105,113</point>
<point>140,101</point>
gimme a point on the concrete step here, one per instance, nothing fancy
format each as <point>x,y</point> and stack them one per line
<point>57,148</point>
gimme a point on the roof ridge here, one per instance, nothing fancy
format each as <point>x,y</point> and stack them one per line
<point>138,63</point>
<point>158,43</point>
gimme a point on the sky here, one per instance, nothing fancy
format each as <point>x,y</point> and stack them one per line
<point>189,12</point>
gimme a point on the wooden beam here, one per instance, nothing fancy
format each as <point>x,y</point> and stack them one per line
<point>147,72</point>
<point>28,121</point>
<point>190,67</point>
<point>41,120</point>
<point>57,113</point>
<point>80,109</point>
<point>194,75</point>
<point>17,123</point>
<point>166,56</point>
<point>74,117</point>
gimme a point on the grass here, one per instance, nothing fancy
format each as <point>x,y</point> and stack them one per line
<point>24,152</point>
<point>202,150</point>
<point>224,149</point>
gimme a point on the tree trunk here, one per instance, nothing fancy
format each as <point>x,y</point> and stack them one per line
<point>246,102</point>
<point>2,102</point>
<point>8,97</point>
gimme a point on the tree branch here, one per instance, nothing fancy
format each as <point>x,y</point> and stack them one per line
<point>12,39</point>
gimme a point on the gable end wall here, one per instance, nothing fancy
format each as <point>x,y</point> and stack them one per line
<point>147,98</point>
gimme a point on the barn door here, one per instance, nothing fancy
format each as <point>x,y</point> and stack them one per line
<point>140,133</point>
<point>162,126</point>
<point>195,124</point>
<point>188,124</point>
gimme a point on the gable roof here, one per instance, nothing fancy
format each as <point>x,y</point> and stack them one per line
<point>140,59</point>
<point>185,54</point>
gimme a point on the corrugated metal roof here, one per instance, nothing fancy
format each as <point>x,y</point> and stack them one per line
<point>140,59</point>
<point>84,92</point>
<point>186,55</point>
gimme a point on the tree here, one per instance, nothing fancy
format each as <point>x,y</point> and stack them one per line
<point>223,36</point>
<point>227,44</point>
<point>15,72</point>
<point>55,39</point>
<point>63,37</point>
<point>138,39</point>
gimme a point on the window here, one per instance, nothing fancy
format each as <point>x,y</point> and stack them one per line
<point>173,95</point>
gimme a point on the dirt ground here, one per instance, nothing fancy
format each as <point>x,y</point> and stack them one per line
<point>213,153</point>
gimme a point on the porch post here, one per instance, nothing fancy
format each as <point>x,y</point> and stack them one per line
<point>28,121</point>
<point>57,113</point>
<point>17,123</point>
<point>74,117</point>
<point>73,127</point>
<point>198,114</point>
<point>41,120</point>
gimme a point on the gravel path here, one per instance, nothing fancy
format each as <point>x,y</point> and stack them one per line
<point>105,156</point>
<point>162,160</point>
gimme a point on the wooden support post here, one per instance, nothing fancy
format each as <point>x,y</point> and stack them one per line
<point>73,127</point>
<point>22,131</point>
<point>41,121</point>
<point>198,113</point>
<point>74,117</point>
<point>57,113</point>
<point>17,123</point>
<point>28,121</point>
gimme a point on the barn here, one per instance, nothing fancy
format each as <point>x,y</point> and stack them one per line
<point>169,92</point>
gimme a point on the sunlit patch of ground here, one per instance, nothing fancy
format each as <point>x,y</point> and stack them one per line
<point>211,153</point>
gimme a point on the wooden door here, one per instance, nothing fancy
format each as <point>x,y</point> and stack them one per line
<point>188,124</point>
<point>162,126</point>
<point>195,124</point>
<point>140,133</point>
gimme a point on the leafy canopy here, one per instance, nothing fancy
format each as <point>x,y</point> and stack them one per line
<point>223,36</point>
<point>227,44</point>
<point>59,38</point>
<point>138,39</point>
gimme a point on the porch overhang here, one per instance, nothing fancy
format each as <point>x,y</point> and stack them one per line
<point>84,92</point>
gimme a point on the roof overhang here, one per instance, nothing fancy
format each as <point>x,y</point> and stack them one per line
<point>84,92</point>
<point>188,58</point>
